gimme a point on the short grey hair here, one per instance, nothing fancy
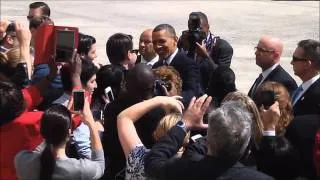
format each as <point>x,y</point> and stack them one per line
<point>229,131</point>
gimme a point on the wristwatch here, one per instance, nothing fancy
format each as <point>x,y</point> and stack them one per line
<point>182,125</point>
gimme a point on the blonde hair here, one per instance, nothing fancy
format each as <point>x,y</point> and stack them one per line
<point>283,97</point>
<point>13,56</point>
<point>257,126</point>
<point>165,124</point>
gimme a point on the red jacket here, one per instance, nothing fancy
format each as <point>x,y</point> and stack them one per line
<point>19,134</point>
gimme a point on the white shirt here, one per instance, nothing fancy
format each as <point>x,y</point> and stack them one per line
<point>305,86</point>
<point>170,58</point>
<point>151,62</point>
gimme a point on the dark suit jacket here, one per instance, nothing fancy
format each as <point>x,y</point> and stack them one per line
<point>301,133</point>
<point>309,102</point>
<point>275,153</point>
<point>189,73</point>
<point>281,76</point>
<point>158,165</point>
<point>294,151</point>
<point>221,53</point>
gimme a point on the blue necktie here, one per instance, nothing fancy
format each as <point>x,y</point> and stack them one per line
<point>296,94</point>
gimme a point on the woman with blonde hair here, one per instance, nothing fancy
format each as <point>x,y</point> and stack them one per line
<point>257,126</point>
<point>131,144</point>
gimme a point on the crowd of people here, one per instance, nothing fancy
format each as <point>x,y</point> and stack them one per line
<point>168,110</point>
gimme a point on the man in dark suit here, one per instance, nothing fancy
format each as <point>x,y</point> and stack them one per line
<point>165,44</point>
<point>306,65</point>
<point>226,141</point>
<point>213,52</point>
<point>147,54</point>
<point>268,53</point>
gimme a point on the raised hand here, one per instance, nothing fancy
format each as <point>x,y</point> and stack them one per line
<point>23,33</point>
<point>270,117</point>
<point>193,116</point>
<point>171,104</point>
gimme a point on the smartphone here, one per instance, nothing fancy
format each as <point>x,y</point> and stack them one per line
<point>268,98</point>
<point>109,94</point>
<point>66,40</point>
<point>78,100</point>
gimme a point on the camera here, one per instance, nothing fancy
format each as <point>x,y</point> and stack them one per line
<point>159,87</point>
<point>267,98</point>
<point>194,34</point>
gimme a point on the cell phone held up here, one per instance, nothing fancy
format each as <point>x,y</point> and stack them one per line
<point>268,98</point>
<point>78,100</point>
<point>109,94</point>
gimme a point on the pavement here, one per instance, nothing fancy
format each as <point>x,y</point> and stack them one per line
<point>241,23</point>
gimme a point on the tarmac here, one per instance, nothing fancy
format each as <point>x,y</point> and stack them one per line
<point>241,23</point>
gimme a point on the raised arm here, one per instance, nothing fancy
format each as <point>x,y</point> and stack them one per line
<point>126,130</point>
<point>24,38</point>
<point>156,163</point>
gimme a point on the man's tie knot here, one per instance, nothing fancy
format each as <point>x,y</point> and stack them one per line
<point>164,62</point>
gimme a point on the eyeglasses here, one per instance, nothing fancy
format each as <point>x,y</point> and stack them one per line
<point>295,59</point>
<point>136,51</point>
<point>263,50</point>
<point>29,17</point>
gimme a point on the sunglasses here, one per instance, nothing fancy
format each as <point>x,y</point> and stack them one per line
<point>29,17</point>
<point>295,59</point>
<point>136,51</point>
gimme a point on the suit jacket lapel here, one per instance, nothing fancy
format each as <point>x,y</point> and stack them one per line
<point>272,74</point>
<point>309,91</point>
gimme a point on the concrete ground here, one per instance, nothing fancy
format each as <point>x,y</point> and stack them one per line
<point>239,22</point>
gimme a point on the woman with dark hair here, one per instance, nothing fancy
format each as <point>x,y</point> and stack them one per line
<point>49,161</point>
<point>221,83</point>
<point>81,135</point>
<point>87,47</point>
<point>107,76</point>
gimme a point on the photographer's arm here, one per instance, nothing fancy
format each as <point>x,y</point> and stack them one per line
<point>24,38</point>
<point>76,70</point>
<point>202,52</point>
